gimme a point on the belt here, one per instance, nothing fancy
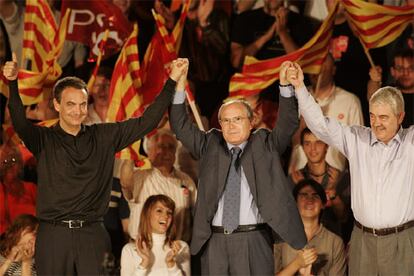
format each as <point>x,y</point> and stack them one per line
<point>385,231</point>
<point>73,223</point>
<point>239,229</point>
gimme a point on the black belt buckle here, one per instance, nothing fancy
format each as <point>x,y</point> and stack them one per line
<point>74,224</point>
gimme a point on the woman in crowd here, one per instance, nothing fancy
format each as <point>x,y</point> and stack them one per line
<point>17,247</point>
<point>16,196</point>
<point>325,255</point>
<point>155,252</point>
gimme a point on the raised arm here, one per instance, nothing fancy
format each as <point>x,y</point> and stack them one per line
<point>134,129</point>
<point>327,129</point>
<point>181,124</point>
<point>127,178</point>
<point>30,134</point>
<point>238,51</point>
<point>288,119</point>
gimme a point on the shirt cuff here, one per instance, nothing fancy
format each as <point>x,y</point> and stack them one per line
<point>287,91</point>
<point>179,97</point>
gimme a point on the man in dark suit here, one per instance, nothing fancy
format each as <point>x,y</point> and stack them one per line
<point>264,201</point>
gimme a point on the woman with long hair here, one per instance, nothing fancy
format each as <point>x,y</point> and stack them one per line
<point>17,247</point>
<point>155,250</point>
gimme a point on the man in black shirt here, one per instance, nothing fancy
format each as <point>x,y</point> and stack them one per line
<point>75,164</point>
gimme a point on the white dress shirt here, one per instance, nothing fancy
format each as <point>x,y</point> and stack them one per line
<point>382,175</point>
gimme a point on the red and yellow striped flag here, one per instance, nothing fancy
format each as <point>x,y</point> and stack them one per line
<point>256,74</point>
<point>377,25</point>
<point>172,41</point>
<point>125,101</point>
<point>42,45</point>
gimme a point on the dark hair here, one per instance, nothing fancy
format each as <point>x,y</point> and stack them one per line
<point>403,53</point>
<point>13,234</point>
<point>105,71</point>
<point>144,229</point>
<point>315,186</point>
<point>66,82</point>
<point>303,133</point>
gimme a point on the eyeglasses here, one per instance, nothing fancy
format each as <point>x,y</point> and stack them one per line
<point>235,120</point>
<point>307,196</point>
<point>402,69</point>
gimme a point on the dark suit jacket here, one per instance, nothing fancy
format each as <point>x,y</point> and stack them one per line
<point>261,164</point>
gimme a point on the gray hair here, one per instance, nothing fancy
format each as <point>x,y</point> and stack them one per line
<point>391,96</point>
<point>148,141</point>
<point>249,110</point>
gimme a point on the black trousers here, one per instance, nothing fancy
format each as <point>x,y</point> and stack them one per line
<point>64,251</point>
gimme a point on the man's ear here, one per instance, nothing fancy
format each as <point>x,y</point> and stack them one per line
<point>56,105</point>
<point>401,118</point>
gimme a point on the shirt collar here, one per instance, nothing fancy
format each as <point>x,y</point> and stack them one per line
<point>61,131</point>
<point>397,137</point>
<point>242,145</point>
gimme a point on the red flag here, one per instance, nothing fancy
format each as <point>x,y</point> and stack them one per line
<point>162,50</point>
<point>89,21</point>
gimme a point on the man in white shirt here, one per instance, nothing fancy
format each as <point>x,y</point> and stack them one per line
<point>336,103</point>
<point>381,162</point>
<point>162,178</point>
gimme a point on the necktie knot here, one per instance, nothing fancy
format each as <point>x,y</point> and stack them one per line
<point>235,152</point>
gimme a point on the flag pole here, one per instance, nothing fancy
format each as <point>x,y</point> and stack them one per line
<point>366,51</point>
<point>193,107</point>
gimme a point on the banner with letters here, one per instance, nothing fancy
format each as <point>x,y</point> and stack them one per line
<point>90,19</point>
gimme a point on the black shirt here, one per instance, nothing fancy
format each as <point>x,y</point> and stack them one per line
<point>75,172</point>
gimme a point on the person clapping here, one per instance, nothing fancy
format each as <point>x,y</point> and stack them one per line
<point>155,250</point>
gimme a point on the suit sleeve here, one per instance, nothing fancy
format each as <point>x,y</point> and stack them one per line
<point>287,123</point>
<point>186,131</point>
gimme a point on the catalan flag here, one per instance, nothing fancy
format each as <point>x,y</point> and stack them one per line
<point>125,101</point>
<point>170,44</point>
<point>42,45</point>
<point>377,25</point>
<point>256,74</point>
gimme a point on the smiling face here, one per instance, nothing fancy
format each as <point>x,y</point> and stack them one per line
<point>160,218</point>
<point>72,108</point>
<point>315,150</point>
<point>235,124</point>
<point>384,122</point>
<point>309,203</point>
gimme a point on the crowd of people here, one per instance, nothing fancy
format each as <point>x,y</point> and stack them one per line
<point>302,178</point>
